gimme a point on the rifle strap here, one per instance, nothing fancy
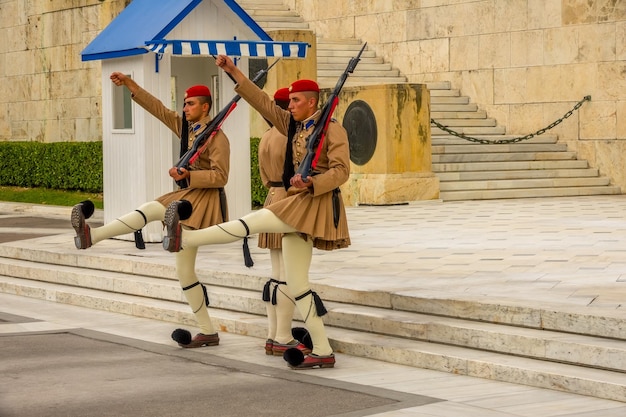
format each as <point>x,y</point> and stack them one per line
<point>288,168</point>
<point>184,136</point>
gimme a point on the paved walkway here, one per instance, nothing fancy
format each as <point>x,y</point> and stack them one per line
<point>564,252</point>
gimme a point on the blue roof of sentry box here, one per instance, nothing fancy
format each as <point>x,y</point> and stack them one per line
<point>145,20</point>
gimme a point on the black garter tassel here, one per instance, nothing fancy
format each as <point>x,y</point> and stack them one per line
<point>266,290</point>
<point>247,258</point>
<point>319,305</point>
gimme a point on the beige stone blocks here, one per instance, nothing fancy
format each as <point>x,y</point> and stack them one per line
<point>526,48</point>
<point>54,96</point>
<point>599,121</point>
<point>620,114</point>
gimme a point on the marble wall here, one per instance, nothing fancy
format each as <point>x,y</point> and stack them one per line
<point>47,93</point>
<point>526,62</point>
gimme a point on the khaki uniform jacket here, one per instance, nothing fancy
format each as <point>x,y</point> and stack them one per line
<point>309,210</point>
<point>208,173</point>
<point>271,164</point>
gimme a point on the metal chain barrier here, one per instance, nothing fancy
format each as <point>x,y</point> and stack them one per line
<point>513,140</point>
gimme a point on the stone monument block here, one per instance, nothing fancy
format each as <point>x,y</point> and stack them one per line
<point>390,145</point>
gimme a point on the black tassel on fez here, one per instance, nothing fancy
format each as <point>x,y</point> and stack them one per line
<point>181,336</point>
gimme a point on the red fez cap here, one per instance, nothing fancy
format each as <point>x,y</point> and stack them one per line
<point>282,94</point>
<point>198,91</point>
<point>304,85</point>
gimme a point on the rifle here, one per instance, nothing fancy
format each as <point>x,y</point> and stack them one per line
<point>316,140</point>
<point>202,141</point>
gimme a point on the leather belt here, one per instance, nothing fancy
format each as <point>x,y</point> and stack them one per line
<point>275,183</point>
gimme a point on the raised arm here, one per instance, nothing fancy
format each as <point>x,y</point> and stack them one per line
<point>229,67</point>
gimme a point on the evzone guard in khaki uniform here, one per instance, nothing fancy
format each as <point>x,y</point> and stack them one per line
<point>306,216</point>
<point>279,303</point>
<point>206,178</point>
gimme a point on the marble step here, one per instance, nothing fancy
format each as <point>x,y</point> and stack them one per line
<point>111,258</point>
<point>439,85</point>
<point>441,116</point>
<point>333,62</point>
<point>482,363</point>
<point>498,148</point>
<point>363,66</point>
<point>472,132</point>
<point>269,25</point>
<point>408,324</point>
<point>444,93</point>
<point>476,121</point>
<point>351,45</point>
<point>514,175</point>
<point>505,184</point>
<point>509,165</point>
<point>527,193</point>
<point>445,140</point>
<point>355,81</point>
<point>454,108</point>
<point>342,55</point>
<point>268,15</point>
<point>259,4</point>
<point>503,156</point>
<point>378,71</point>
<point>439,100</point>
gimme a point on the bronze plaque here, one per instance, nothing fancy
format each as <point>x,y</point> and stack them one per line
<point>360,123</point>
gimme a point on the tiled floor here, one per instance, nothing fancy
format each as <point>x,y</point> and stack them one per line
<point>566,252</point>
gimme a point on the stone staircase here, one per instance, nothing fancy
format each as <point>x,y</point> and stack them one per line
<point>540,167</point>
<point>332,54</point>
<point>563,349</point>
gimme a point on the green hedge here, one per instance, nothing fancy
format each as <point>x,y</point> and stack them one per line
<point>60,165</point>
<point>259,192</point>
<point>77,166</point>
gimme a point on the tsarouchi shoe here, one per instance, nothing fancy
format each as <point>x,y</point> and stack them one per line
<point>278,349</point>
<point>171,241</point>
<point>312,361</point>
<point>201,339</point>
<point>269,344</point>
<point>81,212</point>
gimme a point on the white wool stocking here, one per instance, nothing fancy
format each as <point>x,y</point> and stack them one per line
<point>297,253</point>
<point>259,221</point>
<point>130,222</point>
<point>283,310</point>
<point>185,268</point>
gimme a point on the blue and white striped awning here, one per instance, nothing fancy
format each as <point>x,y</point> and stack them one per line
<point>253,49</point>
